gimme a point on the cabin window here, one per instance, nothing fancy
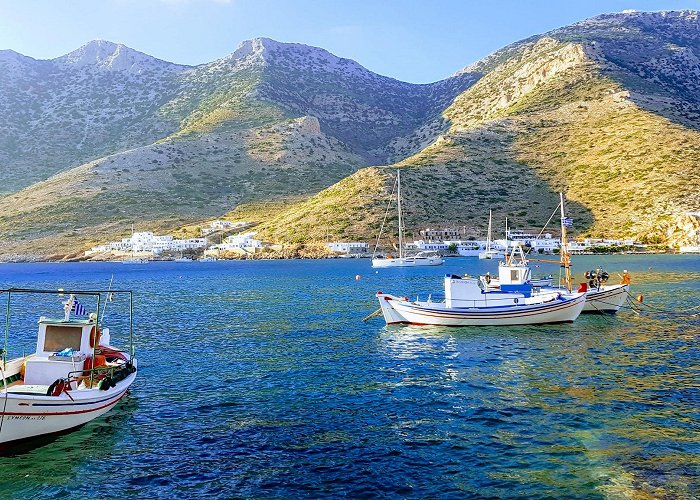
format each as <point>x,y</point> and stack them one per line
<point>514,275</point>
<point>60,337</point>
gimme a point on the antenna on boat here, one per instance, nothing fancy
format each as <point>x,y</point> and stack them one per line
<point>108,299</point>
<point>564,252</point>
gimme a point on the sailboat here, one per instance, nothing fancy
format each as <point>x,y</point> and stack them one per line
<point>420,259</point>
<point>489,253</point>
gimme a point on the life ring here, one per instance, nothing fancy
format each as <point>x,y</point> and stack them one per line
<point>95,335</point>
<point>55,389</point>
<point>515,301</point>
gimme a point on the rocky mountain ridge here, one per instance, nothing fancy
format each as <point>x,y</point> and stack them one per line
<point>605,109</point>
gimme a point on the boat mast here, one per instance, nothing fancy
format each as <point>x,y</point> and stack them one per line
<point>506,252</point>
<point>488,236</point>
<point>398,198</point>
<point>564,252</point>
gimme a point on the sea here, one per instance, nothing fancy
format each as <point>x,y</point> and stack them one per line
<point>261,379</point>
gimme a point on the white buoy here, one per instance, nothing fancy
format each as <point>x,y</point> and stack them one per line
<point>358,277</point>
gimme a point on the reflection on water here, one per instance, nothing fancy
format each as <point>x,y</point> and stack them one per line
<point>260,379</point>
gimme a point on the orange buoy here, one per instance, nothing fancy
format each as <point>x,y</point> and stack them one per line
<point>640,298</point>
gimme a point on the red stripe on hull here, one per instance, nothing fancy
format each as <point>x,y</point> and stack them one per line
<point>37,414</point>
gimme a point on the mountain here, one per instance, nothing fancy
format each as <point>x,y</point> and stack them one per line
<point>307,143</point>
<point>607,110</point>
<point>126,137</point>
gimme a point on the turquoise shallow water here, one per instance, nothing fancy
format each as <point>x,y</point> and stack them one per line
<point>259,379</point>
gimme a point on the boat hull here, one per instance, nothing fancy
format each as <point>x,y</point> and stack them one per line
<point>27,415</point>
<point>408,262</point>
<point>609,299</point>
<point>398,310</point>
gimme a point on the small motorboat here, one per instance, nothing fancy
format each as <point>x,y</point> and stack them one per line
<point>73,377</point>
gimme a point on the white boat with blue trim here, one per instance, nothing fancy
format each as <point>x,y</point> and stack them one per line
<point>468,303</point>
<point>73,377</point>
<point>471,301</point>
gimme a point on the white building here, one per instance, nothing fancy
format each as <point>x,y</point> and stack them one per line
<point>546,244</point>
<point>244,241</point>
<point>348,247</point>
<point>147,242</point>
<point>435,246</point>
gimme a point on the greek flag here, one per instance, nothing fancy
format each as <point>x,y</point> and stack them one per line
<point>567,221</point>
<point>78,308</point>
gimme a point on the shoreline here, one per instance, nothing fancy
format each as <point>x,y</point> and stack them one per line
<point>55,259</point>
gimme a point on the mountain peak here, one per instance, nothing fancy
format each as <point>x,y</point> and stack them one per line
<point>110,56</point>
<point>265,51</point>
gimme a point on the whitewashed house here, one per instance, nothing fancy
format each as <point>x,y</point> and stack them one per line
<point>349,247</point>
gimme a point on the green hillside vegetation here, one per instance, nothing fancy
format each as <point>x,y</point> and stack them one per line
<point>550,115</point>
<point>306,145</point>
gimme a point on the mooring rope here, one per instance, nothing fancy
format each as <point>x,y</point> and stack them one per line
<point>637,306</point>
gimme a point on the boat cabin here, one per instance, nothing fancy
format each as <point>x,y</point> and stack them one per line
<point>514,273</point>
<point>62,346</point>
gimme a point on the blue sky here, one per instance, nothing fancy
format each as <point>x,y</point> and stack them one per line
<point>416,41</point>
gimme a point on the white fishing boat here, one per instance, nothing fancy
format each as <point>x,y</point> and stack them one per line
<point>420,259</point>
<point>490,253</point>
<point>73,377</point>
<point>470,302</point>
<point>601,297</point>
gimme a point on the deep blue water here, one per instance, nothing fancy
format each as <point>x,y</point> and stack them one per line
<point>259,379</point>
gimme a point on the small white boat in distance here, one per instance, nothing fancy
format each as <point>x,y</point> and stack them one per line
<point>73,377</point>
<point>420,259</point>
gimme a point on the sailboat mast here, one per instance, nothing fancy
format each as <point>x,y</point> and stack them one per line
<point>398,197</point>
<point>488,236</point>
<point>564,252</point>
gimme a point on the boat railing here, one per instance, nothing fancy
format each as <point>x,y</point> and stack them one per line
<point>494,302</point>
<point>98,373</point>
<point>101,296</point>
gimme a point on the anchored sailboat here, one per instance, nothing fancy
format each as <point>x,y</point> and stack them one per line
<point>490,253</point>
<point>420,259</point>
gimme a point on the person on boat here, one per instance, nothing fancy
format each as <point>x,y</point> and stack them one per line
<point>625,278</point>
